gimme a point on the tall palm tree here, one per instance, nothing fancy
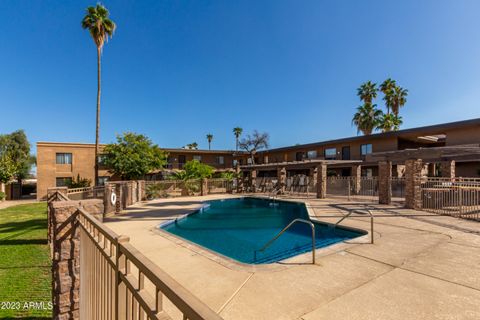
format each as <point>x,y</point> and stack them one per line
<point>387,88</point>
<point>209,139</point>
<point>399,98</point>
<point>100,26</point>
<point>367,91</point>
<point>367,117</point>
<point>389,122</point>
<point>237,131</point>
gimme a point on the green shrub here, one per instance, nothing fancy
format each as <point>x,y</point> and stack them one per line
<point>156,190</point>
<point>2,195</point>
<point>79,183</point>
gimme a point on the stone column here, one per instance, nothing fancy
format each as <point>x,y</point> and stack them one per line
<point>66,255</point>
<point>119,193</point>
<point>384,182</point>
<point>447,169</point>
<point>282,178</point>
<point>322,181</point>
<point>203,187</point>
<point>253,180</point>
<point>141,190</point>
<point>357,176</point>
<point>413,188</point>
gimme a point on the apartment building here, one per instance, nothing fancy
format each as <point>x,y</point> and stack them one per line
<point>58,163</point>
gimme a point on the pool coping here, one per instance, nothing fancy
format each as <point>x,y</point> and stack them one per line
<point>230,263</point>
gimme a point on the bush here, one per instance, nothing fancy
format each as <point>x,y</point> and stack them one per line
<point>2,195</point>
<point>79,183</point>
<point>156,190</point>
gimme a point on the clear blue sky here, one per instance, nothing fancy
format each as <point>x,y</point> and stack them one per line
<point>177,70</point>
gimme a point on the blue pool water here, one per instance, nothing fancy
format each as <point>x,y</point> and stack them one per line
<point>238,228</point>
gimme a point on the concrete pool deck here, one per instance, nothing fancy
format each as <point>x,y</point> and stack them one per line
<point>418,268</point>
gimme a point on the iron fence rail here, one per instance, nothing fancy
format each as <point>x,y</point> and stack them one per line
<point>459,197</point>
<point>119,282</point>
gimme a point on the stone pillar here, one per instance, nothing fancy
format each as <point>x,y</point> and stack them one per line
<point>203,187</point>
<point>413,188</point>
<point>141,190</point>
<point>253,180</point>
<point>66,255</point>
<point>384,182</point>
<point>119,193</point>
<point>357,176</point>
<point>447,169</point>
<point>282,178</point>
<point>322,181</point>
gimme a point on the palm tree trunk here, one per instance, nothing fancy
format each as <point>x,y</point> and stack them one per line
<point>97,129</point>
<point>208,145</point>
<point>236,144</point>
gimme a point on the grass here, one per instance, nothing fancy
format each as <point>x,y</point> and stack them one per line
<point>25,267</point>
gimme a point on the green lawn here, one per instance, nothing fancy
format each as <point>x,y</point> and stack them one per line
<point>25,267</point>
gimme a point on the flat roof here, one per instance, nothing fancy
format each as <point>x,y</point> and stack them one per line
<point>417,130</point>
<point>92,145</point>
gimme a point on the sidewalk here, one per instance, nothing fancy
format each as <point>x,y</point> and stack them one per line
<point>11,203</point>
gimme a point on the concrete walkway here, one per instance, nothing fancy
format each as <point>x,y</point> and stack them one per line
<point>419,267</point>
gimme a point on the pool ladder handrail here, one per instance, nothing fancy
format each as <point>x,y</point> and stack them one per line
<point>353,211</point>
<point>312,225</point>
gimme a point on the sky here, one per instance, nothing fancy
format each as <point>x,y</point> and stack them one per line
<point>177,70</point>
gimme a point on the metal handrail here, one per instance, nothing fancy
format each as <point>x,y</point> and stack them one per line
<point>285,229</point>
<point>371,222</point>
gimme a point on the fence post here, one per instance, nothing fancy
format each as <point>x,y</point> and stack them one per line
<point>322,181</point>
<point>203,187</point>
<point>385,182</point>
<point>413,184</point>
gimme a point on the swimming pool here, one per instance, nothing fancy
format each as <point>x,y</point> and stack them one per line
<point>238,228</point>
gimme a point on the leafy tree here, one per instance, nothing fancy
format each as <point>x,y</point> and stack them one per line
<point>367,117</point>
<point>194,170</point>
<point>209,139</point>
<point>387,88</point>
<point>389,122</point>
<point>254,142</point>
<point>15,154</point>
<point>367,92</point>
<point>98,23</point>
<point>133,156</point>
<point>237,131</point>
<point>7,171</point>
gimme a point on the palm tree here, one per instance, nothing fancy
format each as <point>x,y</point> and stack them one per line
<point>100,26</point>
<point>237,131</point>
<point>389,122</point>
<point>367,92</point>
<point>209,139</point>
<point>367,117</point>
<point>387,88</point>
<point>399,98</point>
<point>193,146</point>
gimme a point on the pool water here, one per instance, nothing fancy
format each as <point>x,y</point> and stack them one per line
<point>238,228</point>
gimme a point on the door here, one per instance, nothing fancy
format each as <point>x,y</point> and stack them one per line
<point>346,153</point>
<point>181,161</point>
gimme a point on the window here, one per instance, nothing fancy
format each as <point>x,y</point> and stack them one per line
<point>235,162</point>
<point>221,160</point>
<point>101,159</point>
<point>249,161</point>
<point>368,172</point>
<point>331,153</point>
<point>198,158</point>
<point>312,154</point>
<point>64,158</point>
<point>299,156</point>
<point>366,149</point>
<point>63,182</point>
<point>102,181</point>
